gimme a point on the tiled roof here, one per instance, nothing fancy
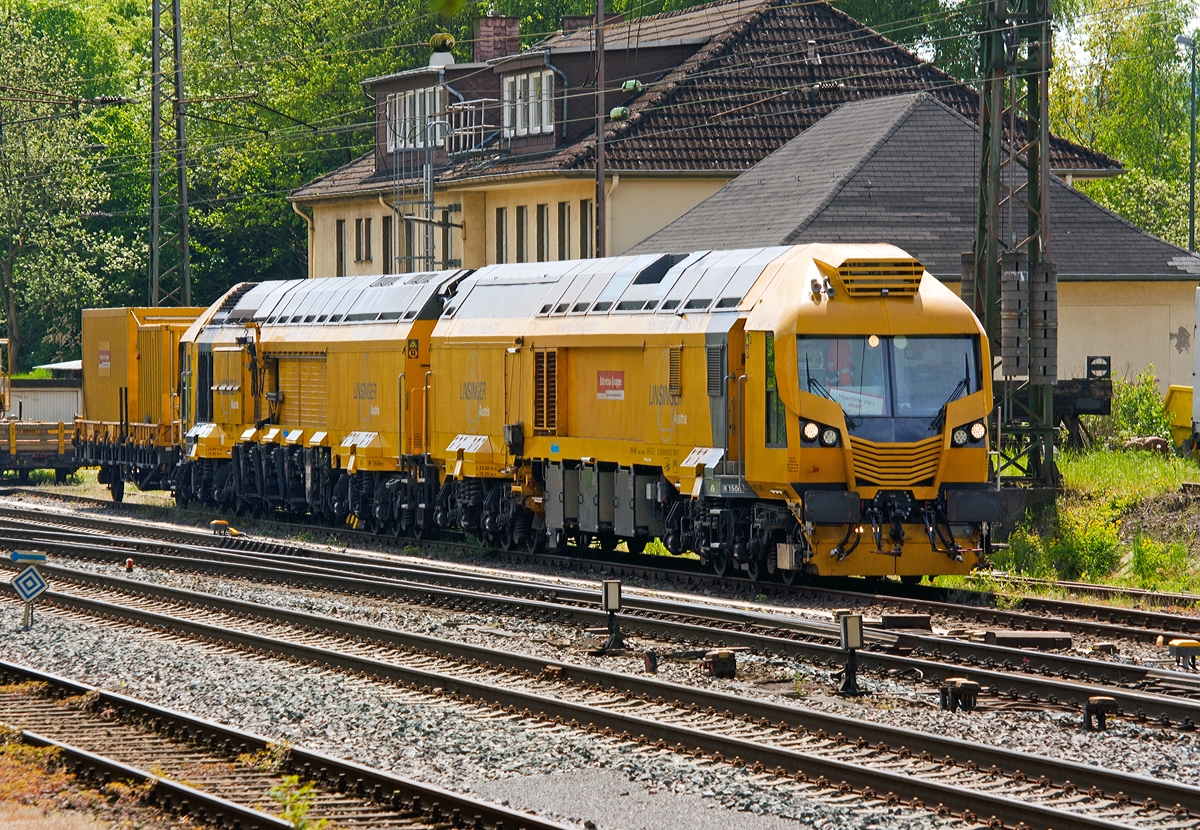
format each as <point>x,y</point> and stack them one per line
<point>753,88</point>
<point>902,170</point>
<point>743,94</point>
<point>357,177</point>
<point>696,25</point>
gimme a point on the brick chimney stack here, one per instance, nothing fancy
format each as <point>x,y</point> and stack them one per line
<point>496,37</point>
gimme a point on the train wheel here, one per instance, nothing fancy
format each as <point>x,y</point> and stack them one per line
<point>755,569</point>
<point>117,487</point>
<point>911,579</point>
<point>608,541</point>
<point>636,545</point>
<point>789,577</point>
<point>722,563</point>
<point>23,476</point>
<point>60,475</point>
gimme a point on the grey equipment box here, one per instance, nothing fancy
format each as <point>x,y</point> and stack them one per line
<point>596,497</point>
<point>635,513</point>
<point>562,495</point>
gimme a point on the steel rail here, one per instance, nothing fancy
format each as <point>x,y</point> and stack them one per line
<point>1058,772</point>
<point>208,806</point>
<point>969,802</point>
<point>963,651</point>
<point>1106,621</point>
<point>395,788</point>
<point>1112,679</point>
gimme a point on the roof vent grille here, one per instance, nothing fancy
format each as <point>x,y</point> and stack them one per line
<point>881,277</point>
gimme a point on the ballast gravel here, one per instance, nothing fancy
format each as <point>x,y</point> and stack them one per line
<point>1126,746</point>
<point>532,766</point>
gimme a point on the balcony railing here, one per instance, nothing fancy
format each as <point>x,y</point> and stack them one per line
<point>472,124</point>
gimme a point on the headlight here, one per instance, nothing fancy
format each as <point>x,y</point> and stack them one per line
<point>810,432</point>
<point>972,433</point>
<point>829,437</point>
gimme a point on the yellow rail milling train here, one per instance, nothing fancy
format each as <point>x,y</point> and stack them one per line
<point>807,410</point>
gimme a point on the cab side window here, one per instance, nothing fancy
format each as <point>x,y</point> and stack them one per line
<point>776,414</point>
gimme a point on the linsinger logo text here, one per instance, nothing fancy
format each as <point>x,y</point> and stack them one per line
<point>472,390</point>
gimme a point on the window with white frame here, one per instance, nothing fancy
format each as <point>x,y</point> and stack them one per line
<point>528,103</point>
<point>408,117</point>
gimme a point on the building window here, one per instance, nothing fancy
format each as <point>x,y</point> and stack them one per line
<point>587,232</point>
<point>564,230</point>
<point>528,104</point>
<point>362,240</point>
<point>543,233</point>
<point>340,245</point>
<point>408,114</point>
<point>389,260</point>
<point>501,235</point>
<point>522,234</point>
<point>776,413</point>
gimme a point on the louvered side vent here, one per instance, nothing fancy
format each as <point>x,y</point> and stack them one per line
<point>545,392</point>
<point>881,277</point>
<point>715,360</point>
<point>674,388</point>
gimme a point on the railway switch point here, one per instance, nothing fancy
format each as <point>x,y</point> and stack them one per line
<point>958,693</point>
<point>1096,711</point>
<point>720,663</point>
<point>906,621</point>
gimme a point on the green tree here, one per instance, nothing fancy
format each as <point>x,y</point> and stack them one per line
<point>51,261</point>
<point>1120,86</point>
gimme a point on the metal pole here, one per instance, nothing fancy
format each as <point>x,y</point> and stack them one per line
<point>185,253</point>
<point>1192,160</point>
<point>155,140</point>
<point>601,242</point>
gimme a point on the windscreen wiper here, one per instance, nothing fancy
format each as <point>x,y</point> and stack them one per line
<point>814,384</point>
<point>939,420</point>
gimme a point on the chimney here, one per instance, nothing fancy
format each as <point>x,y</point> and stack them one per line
<point>573,22</point>
<point>496,37</point>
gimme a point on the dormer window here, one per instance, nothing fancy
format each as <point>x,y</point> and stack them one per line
<point>528,103</point>
<point>408,116</point>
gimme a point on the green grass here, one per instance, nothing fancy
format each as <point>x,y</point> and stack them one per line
<point>1080,536</point>
<point>1123,478</point>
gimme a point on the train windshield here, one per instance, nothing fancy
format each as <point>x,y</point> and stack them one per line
<point>890,388</point>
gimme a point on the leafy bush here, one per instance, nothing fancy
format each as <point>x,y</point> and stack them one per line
<point>1137,410</point>
<point>1080,542</point>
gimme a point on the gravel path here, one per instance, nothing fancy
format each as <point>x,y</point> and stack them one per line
<point>537,766</point>
<point>1125,746</point>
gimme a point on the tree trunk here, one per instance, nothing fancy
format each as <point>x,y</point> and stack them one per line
<point>10,310</point>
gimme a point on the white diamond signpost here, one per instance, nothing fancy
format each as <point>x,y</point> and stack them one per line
<point>29,583</point>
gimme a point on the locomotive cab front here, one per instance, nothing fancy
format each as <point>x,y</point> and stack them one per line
<point>876,384</point>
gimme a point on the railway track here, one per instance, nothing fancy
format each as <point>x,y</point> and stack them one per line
<point>1146,694</point>
<point>1035,613</point>
<point>985,785</point>
<point>218,775</point>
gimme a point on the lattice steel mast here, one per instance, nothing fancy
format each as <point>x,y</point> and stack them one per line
<point>172,284</point>
<point>1009,279</point>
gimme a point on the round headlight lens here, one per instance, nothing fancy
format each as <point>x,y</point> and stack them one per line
<point>959,437</point>
<point>811,431</point>
<point>978,431</point>
<point>829,437</point>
